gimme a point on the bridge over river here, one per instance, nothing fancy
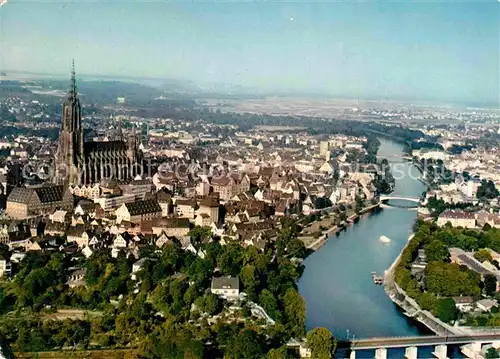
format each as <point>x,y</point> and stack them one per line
<point>470,345</point>
<point>426,340</point>
<point>401,198</point>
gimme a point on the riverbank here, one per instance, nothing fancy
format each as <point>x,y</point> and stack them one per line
<point>409,306</point>
<point>336,283</point>
<point>316,244</point>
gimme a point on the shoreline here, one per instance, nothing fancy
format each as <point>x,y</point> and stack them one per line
<point>321,241</point>
<point>409,306</point>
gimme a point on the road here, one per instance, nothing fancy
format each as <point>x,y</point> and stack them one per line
<point>399,342</point>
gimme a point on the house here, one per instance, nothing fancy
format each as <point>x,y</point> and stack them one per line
<point>253,214</point>
<point>227,287</point>
<point>58,216</point>
<point>163,239</point>
<point>139,211</point>
<point>202,220</point>
<point>173,227</point>
<point>185,208</point>
<point>76,277</point>
<point>138,187</point>
<point>79,235</point>
<point>463,303</point>
<point>165,201</point>
<point>230,185</point>
<point>25,202</point>
<point>94,241</point>
<point>304,351</point>
<point>54,229</point>
<point>326,168</point>
<point>111,202</point>
<point>5,267</point>
<point>457,219</point>
<point>120,241</point>
<point>85,207</point>
<point>87,252</point>
<point>4,234</point>
<point>33,246</point>
<point>137,266</point>
<point>210,207</point>
<point>485,305</point>
<point>90,191</point>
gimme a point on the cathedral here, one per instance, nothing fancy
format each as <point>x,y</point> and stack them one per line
<point>79,162</point>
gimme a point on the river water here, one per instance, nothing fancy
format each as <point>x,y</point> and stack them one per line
<point>337,284</point>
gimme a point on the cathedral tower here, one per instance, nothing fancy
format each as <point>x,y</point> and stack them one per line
<point>69,158</point>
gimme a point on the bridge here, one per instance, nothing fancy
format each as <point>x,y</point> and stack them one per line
<point>402,156</point>
<point>402,198</point>
<point>427,340</point>
<point>471,345</point>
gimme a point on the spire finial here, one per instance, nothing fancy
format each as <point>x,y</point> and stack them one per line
<point>72,89</point>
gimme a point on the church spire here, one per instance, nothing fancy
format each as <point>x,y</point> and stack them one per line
<point>72,85</point>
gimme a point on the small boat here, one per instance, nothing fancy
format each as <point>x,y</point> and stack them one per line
<point>385,239</point>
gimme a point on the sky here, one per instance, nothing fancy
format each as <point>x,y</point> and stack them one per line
<point>412,49</point>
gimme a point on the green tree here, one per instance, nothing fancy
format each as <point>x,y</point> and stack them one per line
<point>447,310</point>
<point>450,279</point>
<point>490,284</point>
<point>436,251</point>
<point>320,341</point>
<point>428,301</point>
<point>213,304</point>
<point>483,255</point>
<point>487,190</point>
<point>295,312</point>
<point>200,234</point>
<point>247,344</point>
<point>492,353</point>
<point>268,302</point>
<point>249,279</point>
<point>280,353</point>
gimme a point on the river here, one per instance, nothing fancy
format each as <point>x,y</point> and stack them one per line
<point>337,285</point>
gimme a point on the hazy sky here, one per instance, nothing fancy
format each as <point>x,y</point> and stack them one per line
<point>411,49</point>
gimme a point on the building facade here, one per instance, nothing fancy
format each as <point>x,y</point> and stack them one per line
<point>24,202</point>
<point>79,162</point>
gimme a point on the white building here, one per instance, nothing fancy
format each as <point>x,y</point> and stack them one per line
<point>227,287</point>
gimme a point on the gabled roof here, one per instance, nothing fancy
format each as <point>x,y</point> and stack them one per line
<point>162,196</point>
<point>51,193</point>
<point>46,194</point>
<point>226,283</point>
<point>209,202</point>
<point>20,195</point>
<point>171,222</point>
<point>143,207</point>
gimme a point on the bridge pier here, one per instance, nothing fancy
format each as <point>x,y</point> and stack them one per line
<point>472,350</point>
<point>411,353</point>
<point>440,351</point>
<point>352,355</point>
<point>381,353</point>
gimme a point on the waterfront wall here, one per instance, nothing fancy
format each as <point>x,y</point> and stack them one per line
<point>410,306</point>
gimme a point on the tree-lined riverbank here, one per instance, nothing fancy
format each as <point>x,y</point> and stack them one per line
<point>336,282</point>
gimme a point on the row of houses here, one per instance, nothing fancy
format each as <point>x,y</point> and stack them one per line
<point>459,218</point>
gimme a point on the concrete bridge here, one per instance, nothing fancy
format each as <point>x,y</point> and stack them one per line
<point>426,340</point>
<point>471,344</point>
<point>385,198</point>
<point>402,156</point>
